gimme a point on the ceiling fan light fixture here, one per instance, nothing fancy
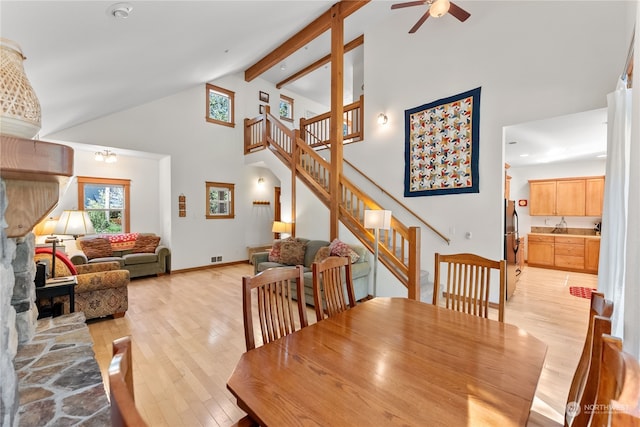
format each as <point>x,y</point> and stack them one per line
<point>439,8</point>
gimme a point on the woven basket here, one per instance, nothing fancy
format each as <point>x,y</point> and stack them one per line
<point>20,113</point>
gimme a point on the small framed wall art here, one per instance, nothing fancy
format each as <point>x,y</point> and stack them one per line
<point>263,96</point>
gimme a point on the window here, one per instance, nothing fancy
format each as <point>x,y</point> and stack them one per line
<point>220,199</point>
<point>220,106</point>
<point>286,108</point>
<point>106,201</point>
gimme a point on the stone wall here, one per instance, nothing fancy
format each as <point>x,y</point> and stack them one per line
<point>18,312</point>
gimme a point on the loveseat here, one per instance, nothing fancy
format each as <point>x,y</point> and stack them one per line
<point>360,266</point>
<point>101,288</point>
<point>142,254</point>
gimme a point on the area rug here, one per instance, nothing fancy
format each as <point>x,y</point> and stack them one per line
<point>578,291</point>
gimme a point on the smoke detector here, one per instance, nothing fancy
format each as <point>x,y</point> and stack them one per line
<point>119,10</point>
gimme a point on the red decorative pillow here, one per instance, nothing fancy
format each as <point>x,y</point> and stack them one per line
<point>121,241</point>
<point>70,269</point>
<point>338,248</point>
<point>274,253</point>
<point>146,244</point>
<point>96,248</point>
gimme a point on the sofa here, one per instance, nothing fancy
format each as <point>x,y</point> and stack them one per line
<point>142,254</point>
<point>101,288</point>
<point>360,268</point>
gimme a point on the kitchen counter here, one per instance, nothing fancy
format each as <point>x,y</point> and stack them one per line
<point>581,232</point>
<point>586,236</point>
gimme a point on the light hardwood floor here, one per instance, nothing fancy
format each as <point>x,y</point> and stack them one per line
<point>187,336</point>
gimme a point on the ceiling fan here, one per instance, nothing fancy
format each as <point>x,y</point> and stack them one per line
<point>437,8</point>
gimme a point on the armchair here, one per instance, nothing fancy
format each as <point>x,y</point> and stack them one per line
<point>101,288</point>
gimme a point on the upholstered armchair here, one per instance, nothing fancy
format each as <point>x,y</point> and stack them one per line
<point>101,288</point>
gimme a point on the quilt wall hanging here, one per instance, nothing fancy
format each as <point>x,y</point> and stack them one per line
<point>441,146</point>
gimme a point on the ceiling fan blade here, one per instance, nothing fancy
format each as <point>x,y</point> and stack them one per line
<point>458,12</point>
<point>407,4</point>
<point>420,22</point>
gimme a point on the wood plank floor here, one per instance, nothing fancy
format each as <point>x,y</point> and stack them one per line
<point>187,336</point>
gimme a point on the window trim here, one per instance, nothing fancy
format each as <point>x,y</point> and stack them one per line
<point>218,185</point>
<point>209,88</point>
<point>290,102</point>
<point>125,183</point>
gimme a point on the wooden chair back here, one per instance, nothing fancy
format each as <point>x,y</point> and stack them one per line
<point>599,307</point>
<point>618,399</point>
<point>329,275</point>
<point>587,396</point>
<point>123,406</point>
<point>275,303</point>
<point>467,283</point>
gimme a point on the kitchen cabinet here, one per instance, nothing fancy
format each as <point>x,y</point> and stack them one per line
<point>569,252</point>
<point>540,250</point>
<point>573,253</point>
<point>566,196</point>
<point>594,196</point>
<point>591,254</point>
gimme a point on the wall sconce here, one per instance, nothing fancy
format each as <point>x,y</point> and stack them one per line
<point>382,119</point>
<point>106,156</point>
<point>261,181</point>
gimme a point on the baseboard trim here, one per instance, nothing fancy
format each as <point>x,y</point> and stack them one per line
<point>207,267</point>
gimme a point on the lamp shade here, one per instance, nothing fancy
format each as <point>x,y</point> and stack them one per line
<point>377,219</point>
<point>75,223</point>
<point>45,227</point>
<point>281,227</point>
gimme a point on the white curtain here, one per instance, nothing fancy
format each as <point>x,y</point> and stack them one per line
<point>611,270</point>
<point>631,337</point>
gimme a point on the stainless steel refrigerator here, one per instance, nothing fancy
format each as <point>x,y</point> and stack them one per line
<point>511,245</point>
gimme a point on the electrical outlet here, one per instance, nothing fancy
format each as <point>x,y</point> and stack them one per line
<point>213,259</point>
<point>219,258</point>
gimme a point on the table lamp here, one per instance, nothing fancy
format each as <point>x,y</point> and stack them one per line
<point>75,223</point>
<point>377,219</point>
<point>281,227</point>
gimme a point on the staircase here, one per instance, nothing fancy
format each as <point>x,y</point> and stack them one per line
<point>399,247</point>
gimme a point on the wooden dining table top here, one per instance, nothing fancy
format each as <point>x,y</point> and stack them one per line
<point>393,361</point>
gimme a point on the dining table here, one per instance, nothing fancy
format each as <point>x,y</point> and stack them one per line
<point>392,362</point>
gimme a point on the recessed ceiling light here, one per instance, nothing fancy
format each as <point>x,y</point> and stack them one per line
<point>524,155</point>
<point>119,10</point>
<point>600,156</point>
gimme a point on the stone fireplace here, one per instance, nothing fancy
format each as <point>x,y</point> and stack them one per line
<point>30,173</point>
<point>18,312</point>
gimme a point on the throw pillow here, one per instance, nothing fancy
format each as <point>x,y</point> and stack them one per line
<point>322,254</point>
<point>146,244</point>
<point>96,248</point>
<point>274,253</point>
<point>122,241</point>
<point>338,248</point>
<point>64,266</point>
<point>292,252</point>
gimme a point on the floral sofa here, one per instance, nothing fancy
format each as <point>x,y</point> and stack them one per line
<point>101,288</point>
<point>305,252</point>
<point>142,254</point>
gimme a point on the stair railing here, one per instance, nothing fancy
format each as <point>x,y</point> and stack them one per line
<point>399,247</point>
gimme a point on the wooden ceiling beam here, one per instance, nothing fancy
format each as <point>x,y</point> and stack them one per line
<point>358,41</point>
<point>300,39</point>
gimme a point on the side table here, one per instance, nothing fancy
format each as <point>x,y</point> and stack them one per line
<point>55,287</point>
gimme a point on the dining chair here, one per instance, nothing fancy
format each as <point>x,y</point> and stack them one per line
<point>618,399</point>
<point>467,283</point>
<point>330,278</point>
<point>601,307</point>
<point>275,303</point>
<point>123,406</point>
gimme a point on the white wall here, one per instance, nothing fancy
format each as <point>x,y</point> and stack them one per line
<point>525,74</point>
<point>193,151</point>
